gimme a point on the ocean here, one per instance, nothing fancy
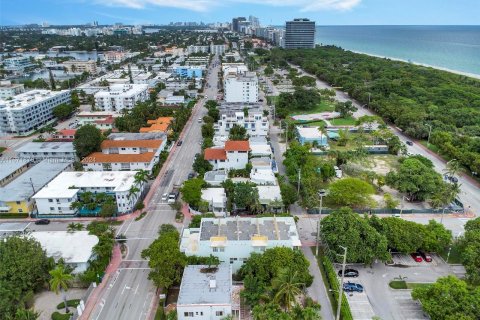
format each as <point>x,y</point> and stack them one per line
<point>454,48</point>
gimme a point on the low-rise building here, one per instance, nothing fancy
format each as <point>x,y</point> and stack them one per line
<point>259,147</point>
<point>9,89</point>
<point>47,150</point>
<point>234,155</point>
<point>11,168</point>
<point>79,66</point>
<point>207,293</point>
<point>16,196</point>
<point>241,88</point>
<point>311,135</point>
<point>255,123</point>
<point>56,198</point>
<point>103,120</point>
<point>270,195</point>
<point>233,239</point>
<point>174,100</point>
<point>217,200</point>
<point>161,124</point>
<point>28,111</point>
<point>17,64</point>
<point>262,173</point>
<point>65,135</point>
<point>75,248</point>
<point>196,49</point>
<point>125,155</point>
<point>121,96</point>
<point>188,71</point>
<point>217,49</point>
<point>215,178</point>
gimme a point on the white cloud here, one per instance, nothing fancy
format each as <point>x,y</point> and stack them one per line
<point>205,5</point>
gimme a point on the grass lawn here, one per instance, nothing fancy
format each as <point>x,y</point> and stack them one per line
<point>349,121</point>
<point>397,284</point>
<point>323,106</point>
<point>2,149</point>
<point>455,255</point>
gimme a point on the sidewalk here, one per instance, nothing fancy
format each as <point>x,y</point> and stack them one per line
<point>317,291</point>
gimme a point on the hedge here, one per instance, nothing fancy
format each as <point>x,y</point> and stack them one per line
<point>71,303</point>
<point>345,313</point>
<point>61,316</point>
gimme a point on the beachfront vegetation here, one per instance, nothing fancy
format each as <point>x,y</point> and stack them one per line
<point>414,98</point>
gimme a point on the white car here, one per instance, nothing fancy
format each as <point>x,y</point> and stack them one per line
<point>165,197</point>
<point>199,120</point>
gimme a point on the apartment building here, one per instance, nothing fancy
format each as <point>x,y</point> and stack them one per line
<point>114,56</point>
<point>28,111</point>
<point>189,71</point>
<point>47,150</point>
<point>57,196</point>
<point>300,34</point>
<point>161,124</point>
<point>196,49</point>
<point>125,155</point>
<point>65,135</point>
<point>254,122</point>
<point>241,88</point>
<point>233,239</point>
<point>217,49</point>
<point>208,293</point>
<point>17,64</point>
<point>103,120</point>
<point>89,66</point>
<point>16,195</point>
<point>121,96</point>
<point>234,155</point>
<point>9,89</point>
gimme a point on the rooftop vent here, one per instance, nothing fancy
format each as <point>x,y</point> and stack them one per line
<point>213,284</point>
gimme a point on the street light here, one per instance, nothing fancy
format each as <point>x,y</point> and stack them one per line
<point>340,292</point>
<point>321,193</point>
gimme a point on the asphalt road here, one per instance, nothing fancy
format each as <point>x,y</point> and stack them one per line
<point>470,191</point>
<point>129,294</point>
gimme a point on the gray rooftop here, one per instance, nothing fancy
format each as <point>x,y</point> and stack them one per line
<point>9,166</point>
<point>219,176</point>
<point>244,228</point>
<point>137,136</point>
<point>46,147</point>
<point>239,106</point>
<point>258,140</point>
<point>36,178</point>
<point>201,287</point>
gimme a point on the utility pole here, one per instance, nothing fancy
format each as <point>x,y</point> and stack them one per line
<point>298,182</point>
<point>429,132</point>
<point>340,291</point>
<point>321,193</point>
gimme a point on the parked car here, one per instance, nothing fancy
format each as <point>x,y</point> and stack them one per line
<point>417,257</point>
<point>199,120</point>
<point>165,197</point>
<point>410,143</point>
<point>179,143</point>
<point>349,273</point>
<point>352,287</point>
<point>191,175</point>
<point>42,221</point>
<point>425,255</point>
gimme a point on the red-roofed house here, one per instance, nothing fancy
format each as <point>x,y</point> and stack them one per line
<point>64,135</point>
<point>233,156</point>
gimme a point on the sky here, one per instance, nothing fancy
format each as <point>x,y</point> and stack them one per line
<point>270,12</point>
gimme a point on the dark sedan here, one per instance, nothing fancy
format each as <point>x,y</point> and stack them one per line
<point>42,221</point>
<point>349,273</point>
<point>352,287</point>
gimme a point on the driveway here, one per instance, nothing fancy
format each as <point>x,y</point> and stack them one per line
<point>46,302</point>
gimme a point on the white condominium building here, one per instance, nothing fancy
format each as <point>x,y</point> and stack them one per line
<point>9,89</point>
<point>58,195</point>
<point>121,96</point>
<point>233,239</point>
<point>241,88</point>
<point>28,111</point>
<point>255,123</point>
<point>89,66</point>
<point>17,64</point>
<point>217,48</point>
<point>196,49</point>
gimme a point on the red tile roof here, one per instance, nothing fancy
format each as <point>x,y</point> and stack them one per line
<point>215,154</point>
<point>67,132</point>
<point>237,145</point>
<point>99,157</point>
<point>131,144</point>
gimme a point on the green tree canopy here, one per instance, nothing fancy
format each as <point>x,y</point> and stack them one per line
<point>351,192</point>
<point>470,244</point>
<point>346,228</point>
<point>237,132</point>
<point>88,139</point>
<point>62,111</point>
<point>448,299</point>
<point>192,191</point>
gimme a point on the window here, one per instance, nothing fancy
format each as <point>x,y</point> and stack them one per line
<point>188,314</point>
<point>52,208</point>
<point>218,313</point>
<point>18,202</point>
<point>20,210</point>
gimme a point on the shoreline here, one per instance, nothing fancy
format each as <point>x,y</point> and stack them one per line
<point>461,73</point>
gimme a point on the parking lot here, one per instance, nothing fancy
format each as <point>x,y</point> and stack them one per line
<point>359,304</point>
<point>407,260</point>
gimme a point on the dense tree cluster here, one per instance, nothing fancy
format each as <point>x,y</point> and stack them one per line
<point>300,100</point>
<point>88,139</point>
<point>410,96</point>
<point>470,245</point>
<point>24,269</point>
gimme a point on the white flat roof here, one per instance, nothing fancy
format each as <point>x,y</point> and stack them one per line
<point>213,194</point>
<point>56,147</point>
<point>122,89</point>
<point>67,184</point>
<point>31,97</point>
<point>73,247</point>
<point>269,193</point>
<point>310,132</point>
<point>261,149</point>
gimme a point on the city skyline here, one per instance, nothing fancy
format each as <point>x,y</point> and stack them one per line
<point>324,12</point>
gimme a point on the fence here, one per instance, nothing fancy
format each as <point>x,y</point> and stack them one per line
<point>389,211</point>
<point>84,299</point>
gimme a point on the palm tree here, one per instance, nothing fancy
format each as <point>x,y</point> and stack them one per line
<point>287,287</point>
<point>60,281</point>
<point>141,176</point>
<point>74,227</point>
<point>453,166</point>
<point>133,190</point>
